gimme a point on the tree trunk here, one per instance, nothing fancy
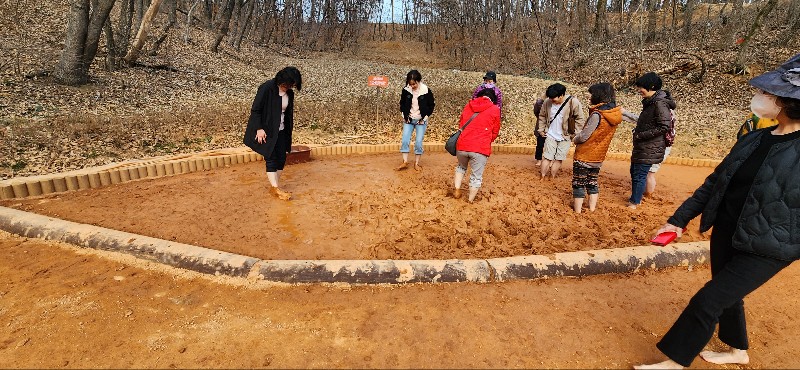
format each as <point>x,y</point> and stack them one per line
<point>652,18</point>
<point>223,24</point>
<point>172,9</point>
<point>688,13</point>
<point>70,69</point>
<point>600,25</point>
<point>141,36</point>
<point>186,36</point>
<point>246,21</point>
<point>96,22</point>
<point>111,56</point>
<point>123,32</point>
<point>739,65</point>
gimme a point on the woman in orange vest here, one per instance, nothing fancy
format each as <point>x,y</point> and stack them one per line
<point>592,144</point>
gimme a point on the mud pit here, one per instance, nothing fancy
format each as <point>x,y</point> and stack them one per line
<point>357,207</point>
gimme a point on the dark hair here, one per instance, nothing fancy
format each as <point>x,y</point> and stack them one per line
<point>413,75</point>
<point>555,90</point>
<point>602,93</point>
<point>489,93</point>
<point>791,107</point>
<point>650,81</point>
<point>291,76</point>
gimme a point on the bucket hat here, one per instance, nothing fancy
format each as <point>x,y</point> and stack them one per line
<point>784,81</point>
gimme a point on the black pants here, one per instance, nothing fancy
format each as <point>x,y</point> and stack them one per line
<point>539,147</point>
<point>734,274</point>
<point>277,160</point>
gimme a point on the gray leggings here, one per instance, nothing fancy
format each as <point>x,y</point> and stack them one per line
<point>476,161</point>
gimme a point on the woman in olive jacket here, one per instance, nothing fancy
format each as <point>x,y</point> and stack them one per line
<point>649,136</point>
<point>752,201</point>
<point>269,129</point>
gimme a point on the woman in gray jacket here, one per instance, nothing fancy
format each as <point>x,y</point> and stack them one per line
<point>752,200</point>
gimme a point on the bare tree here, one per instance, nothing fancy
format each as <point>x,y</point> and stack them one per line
<point>141,36</point>
<point>80,45</point>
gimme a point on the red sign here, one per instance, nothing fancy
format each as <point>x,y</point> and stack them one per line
<point>378,81</point>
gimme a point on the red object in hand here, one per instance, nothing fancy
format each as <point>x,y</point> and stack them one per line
<point>664,238</point>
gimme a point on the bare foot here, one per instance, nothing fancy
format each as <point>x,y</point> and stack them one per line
<point>281,194</point>
<point>734,356</point>
<point>417,167</point>
<point>457,193</point>
<point>402,166</point>
<point>631,206</point>
<point>668,364</point>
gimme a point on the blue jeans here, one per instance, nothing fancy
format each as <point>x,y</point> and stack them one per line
<point>408,128</point>
<point>638,181</point>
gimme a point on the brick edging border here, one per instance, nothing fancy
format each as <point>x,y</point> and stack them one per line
<point>209,261</point>
<point>97,177</point>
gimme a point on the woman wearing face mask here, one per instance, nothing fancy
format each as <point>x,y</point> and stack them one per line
<point>269,129</point>
<point>752,201</point>
<point>416,104</point>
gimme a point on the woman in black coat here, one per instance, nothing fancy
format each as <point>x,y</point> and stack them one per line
<point>752,201</point>
<point>269,129</point>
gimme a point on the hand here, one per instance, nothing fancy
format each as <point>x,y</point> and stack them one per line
<point>670,227</point>
<point>544,134</point>
<point>261,136</point>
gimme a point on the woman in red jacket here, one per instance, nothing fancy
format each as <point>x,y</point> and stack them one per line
<point>480,125</point>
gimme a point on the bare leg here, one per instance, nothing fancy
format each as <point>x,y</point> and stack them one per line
<point>472,193</point>
<point>734,356</point>
<point>275,189</point>
<point>457,184</point>
<point>577,204</point>
<point>416,162</point>
<point>554,169</point>
<point>593,201</point>
<point>650,184</point>
<point>668,364</point>
<point>273,179</point>
<point>405,163</point>
<point>545,167</point>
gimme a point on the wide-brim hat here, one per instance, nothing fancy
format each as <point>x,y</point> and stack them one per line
<point>784,81</point>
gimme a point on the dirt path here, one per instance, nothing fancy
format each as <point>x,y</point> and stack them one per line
<point>64,307</point>
<point>357,207</point>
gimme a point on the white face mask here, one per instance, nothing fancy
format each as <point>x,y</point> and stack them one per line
<point>764,106</point>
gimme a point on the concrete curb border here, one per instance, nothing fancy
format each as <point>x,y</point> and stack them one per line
<point>97,177</point>
<point>209,261</point>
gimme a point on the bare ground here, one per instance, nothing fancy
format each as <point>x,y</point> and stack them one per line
<point>73,308</point>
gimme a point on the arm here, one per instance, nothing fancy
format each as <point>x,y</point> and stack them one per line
<point>433,105</point>
<point>579,114</point>
<point>257,110</point>
<point>693,206</point>
<point>662,124</point>
<point>496,125</point>
<point>588,129</point>
<point>629,116</point>
<point>541,125</point>
<point>499,98</point>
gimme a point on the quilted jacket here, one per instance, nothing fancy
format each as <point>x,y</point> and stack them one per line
<point>648,136</point>
<point>769,224</point>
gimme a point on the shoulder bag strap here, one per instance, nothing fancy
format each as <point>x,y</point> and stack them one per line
<point>468,121</point>
<point>560,108</point>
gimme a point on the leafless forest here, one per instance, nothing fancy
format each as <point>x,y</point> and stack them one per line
<point>125,79</point>
<point>536,37</point>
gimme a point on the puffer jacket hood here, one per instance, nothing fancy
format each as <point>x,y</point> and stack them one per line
<point>649,142</point>
<point>612,114</point>
<point>480,105</point>
<point>660,95</point>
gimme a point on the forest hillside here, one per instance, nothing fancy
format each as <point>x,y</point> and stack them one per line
<point>191,85</point>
